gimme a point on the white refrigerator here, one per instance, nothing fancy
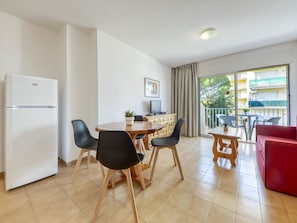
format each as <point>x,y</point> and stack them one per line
<point>31,129</point>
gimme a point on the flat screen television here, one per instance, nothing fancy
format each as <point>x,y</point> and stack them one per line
<point>155,106</point>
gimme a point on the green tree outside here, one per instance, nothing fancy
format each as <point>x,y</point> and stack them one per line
<point>215,93</point>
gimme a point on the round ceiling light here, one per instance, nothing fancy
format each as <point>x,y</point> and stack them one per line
<point>208,33</point>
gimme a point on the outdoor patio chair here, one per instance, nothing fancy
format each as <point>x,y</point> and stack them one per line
<point>230,120</point>
<point>272,121</point>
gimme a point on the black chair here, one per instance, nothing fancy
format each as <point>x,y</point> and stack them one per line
<point>116,151</point>
<point>139,137</point>
<point>167,142</point>
<point>85,141</point>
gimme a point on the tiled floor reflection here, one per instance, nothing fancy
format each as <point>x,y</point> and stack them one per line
<point>211,192</point>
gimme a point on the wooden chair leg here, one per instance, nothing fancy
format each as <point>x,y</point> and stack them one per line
<point>142,147</point>
<point>140,175</point>
<point>154,163</point>
<point>113,179</point>
<point>178,162</point>
<point>101,194</point>
<point>152,155</point>
<point>131,192</point>
<point>88,159</point>
<point>102,169</point>
<point>173,155</point>
<point>78,164</point>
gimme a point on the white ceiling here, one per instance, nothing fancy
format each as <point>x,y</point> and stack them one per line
<point>168,30</point>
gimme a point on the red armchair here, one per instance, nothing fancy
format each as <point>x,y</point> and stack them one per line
<point>276,154</point>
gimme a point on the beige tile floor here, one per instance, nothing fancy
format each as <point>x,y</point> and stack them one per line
<point>211,192</point>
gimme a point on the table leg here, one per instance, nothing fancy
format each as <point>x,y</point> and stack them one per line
<point>215,149</point>
<point>136,176</point>
<point>144,166</point>
<point>120,177</point>
<point>222,144</point>
<point>222,152</point>
<point>233,146</point>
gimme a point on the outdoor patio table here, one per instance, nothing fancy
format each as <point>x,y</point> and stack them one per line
<point>249,122</point>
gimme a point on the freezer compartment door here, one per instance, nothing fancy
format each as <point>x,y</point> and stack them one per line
<point>24,90</point>
<point>31,145</point>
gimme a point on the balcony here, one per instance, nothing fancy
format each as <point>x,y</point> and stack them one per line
<point>209,120</point>
<point>268,82</point>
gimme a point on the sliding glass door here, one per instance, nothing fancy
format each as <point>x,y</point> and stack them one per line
<point>256,95</point>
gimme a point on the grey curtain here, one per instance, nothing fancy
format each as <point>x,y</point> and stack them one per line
<point>184,92</point>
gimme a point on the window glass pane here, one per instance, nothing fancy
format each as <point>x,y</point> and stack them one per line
<point>256,96</point>
<point>266,93</point>
<point>216,97</point>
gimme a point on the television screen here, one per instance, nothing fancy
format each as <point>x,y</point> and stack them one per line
<point>155,106</point>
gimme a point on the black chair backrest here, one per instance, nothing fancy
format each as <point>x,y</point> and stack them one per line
<point>116,150</point>
<point>138,118</point>
<point>177,129</point>
<point>82,136</point>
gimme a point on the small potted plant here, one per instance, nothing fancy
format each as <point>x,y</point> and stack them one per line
<point>245,110</point>
<point>129,114</point>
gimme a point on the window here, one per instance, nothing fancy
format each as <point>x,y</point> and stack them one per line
<point>262,91</point>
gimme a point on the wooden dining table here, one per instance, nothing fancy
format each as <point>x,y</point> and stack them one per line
<point>139,127</point>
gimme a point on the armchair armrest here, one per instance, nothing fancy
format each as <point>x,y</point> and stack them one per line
<point>276,130</point>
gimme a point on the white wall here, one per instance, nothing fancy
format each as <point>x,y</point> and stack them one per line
<point>78,83</point>
<point>27,49</point>
<point>81,74</point>
<point>79,60</point>
<point>285,53</point>
<point>122,70</point>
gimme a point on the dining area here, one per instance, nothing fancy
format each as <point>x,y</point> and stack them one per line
<point>137,128</point>
<point>120,153</point>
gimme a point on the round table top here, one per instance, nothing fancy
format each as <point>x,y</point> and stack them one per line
<point>139,127</point>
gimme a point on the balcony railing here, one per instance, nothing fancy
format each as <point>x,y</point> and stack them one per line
<point>268,82</point>
<point>209,115</point>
